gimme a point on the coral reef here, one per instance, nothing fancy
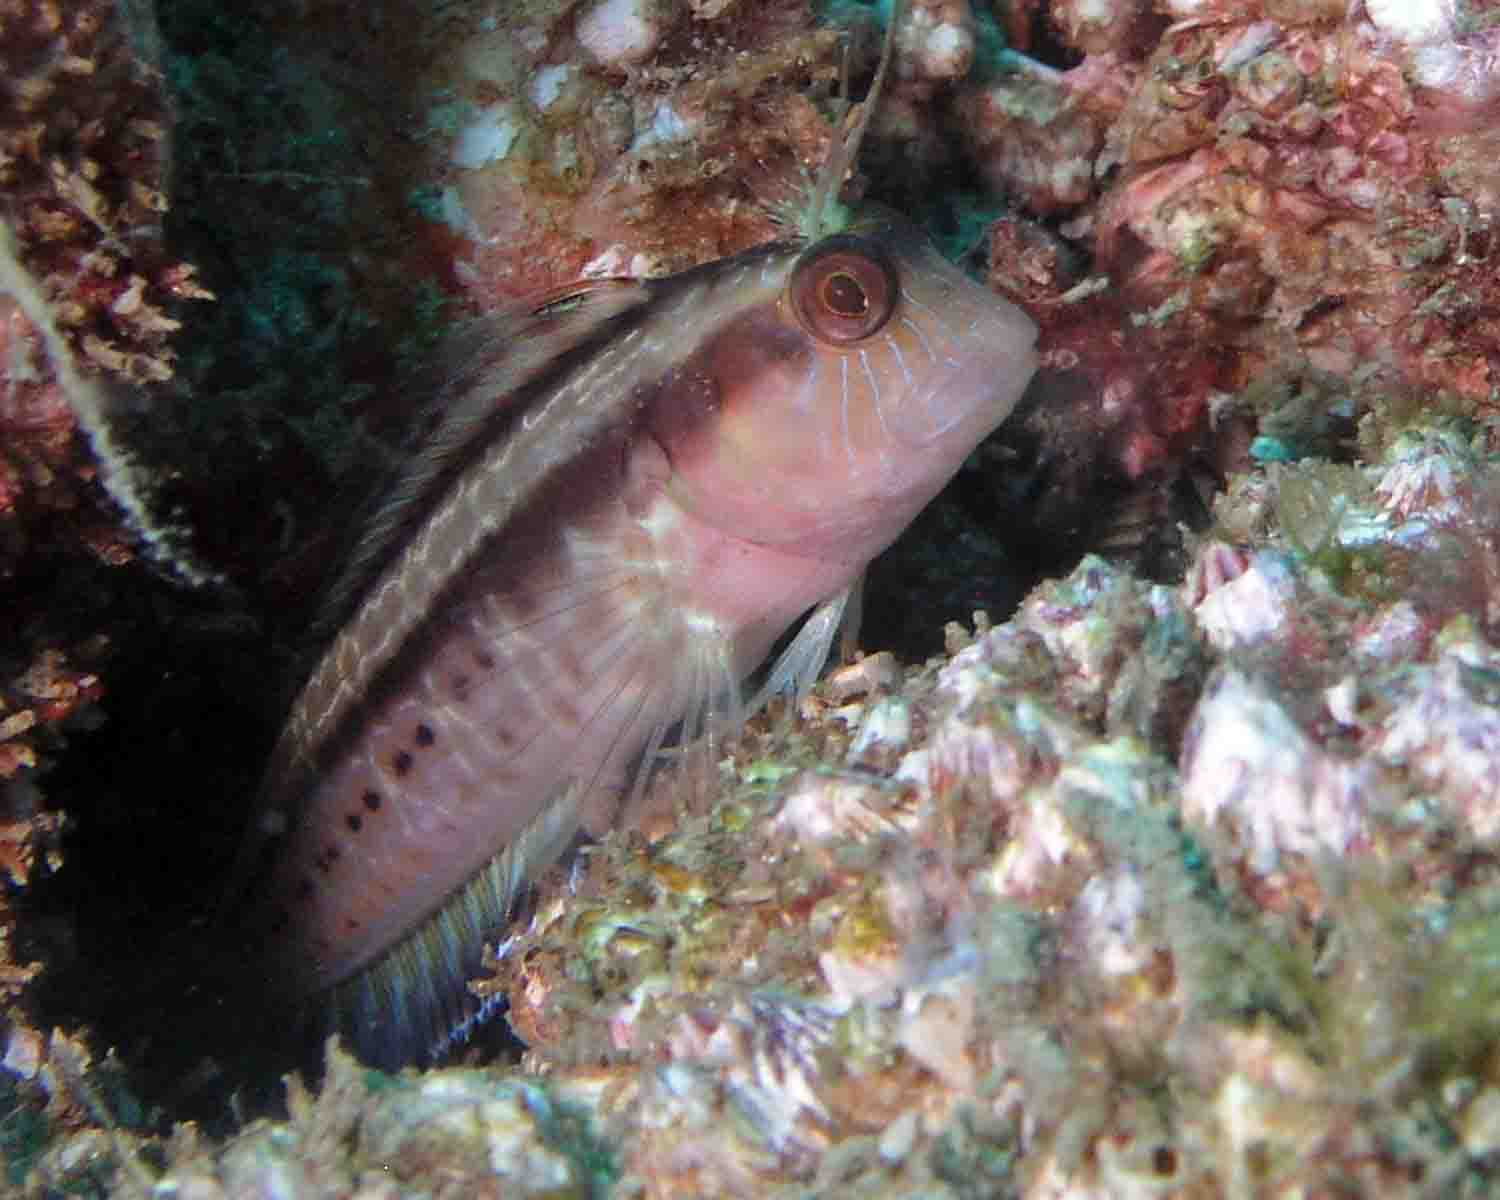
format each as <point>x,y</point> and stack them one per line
<point>88,281</point>
<point>1254,192</point>
<point>1145,890</point>
<point>88,290</point>
<point>623,137</point>
<point>1174,881</point>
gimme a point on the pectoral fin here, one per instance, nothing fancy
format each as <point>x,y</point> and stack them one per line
<point>797,667</point>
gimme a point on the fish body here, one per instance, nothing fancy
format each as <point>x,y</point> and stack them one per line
<point>636,494</point>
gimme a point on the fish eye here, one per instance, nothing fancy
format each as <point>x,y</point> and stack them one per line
<point>843,290</point>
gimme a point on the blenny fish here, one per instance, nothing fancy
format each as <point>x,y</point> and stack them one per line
<point>638,489</point>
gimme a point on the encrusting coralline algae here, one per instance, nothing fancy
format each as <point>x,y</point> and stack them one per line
<point>1123,902</point>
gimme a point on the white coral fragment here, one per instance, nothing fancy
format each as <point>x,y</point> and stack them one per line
<point>486,139</point>
<point>1414,22</point>
<point>823,809</point>
<point>620,33</point>
<point>1252,608</point>
<point>936,1027</point>
<point>1444,726</point>
<point>1428,478</point>
<point>1107,919</point>
<point>885,726</point>
<point>936,40</point>
<point>1250,771</point>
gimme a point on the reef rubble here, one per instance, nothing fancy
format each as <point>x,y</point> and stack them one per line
<point>1146,890</point>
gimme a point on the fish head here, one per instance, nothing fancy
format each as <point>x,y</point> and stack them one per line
<point>828,409</point>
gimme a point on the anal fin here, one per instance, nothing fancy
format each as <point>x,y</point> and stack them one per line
<point>412,1004</point>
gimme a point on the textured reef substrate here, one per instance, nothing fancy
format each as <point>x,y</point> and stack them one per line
<point>1147,890</point>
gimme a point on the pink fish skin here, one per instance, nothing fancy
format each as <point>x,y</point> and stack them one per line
<point>622,516</point>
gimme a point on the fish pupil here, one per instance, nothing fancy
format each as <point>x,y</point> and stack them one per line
<point>845,295</point>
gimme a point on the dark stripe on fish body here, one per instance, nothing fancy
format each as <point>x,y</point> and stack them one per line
<point>501,413</point>
<point>363,670</point>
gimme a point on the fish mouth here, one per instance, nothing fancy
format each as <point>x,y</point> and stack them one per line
<point>964,355</point>
<point>970,399</point>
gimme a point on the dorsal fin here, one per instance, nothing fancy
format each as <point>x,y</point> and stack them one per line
<point>487,363</point>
